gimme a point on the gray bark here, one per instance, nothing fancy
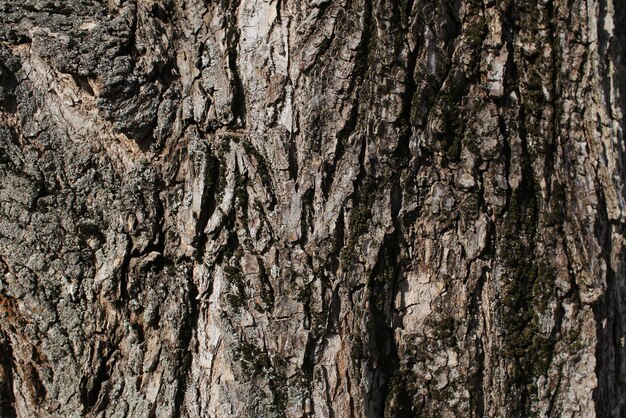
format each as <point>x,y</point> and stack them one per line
<point>329,208</point>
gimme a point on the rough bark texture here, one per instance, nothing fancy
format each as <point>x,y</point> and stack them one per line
<point>332,208</point>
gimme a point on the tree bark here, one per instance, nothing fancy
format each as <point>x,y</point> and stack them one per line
<point>333,208</point>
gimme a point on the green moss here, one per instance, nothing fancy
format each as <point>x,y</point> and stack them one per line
<point>304,295</point>
<point>454,133</point>
<point>254,361</point>
<point>422,99</point>
<point>53,292</point>
<point>526,296</point>
<point>404,260</point>
<point>450,102</point>
<point>359,218</point>
<point>401,389</point>
<point>445,330</point>
<point>533,107</point>
<point>471,141</point>
<point>405,11</point>
<point>576,344</point>
<point>544,286</point>
<point>220,170</point>
<point>357,351</point>
<point>241,197</point>
<point>453,151</point>
<point>257,363</point>
<point>470,206</point>
<point>171,270</point>
<point>383,283</point>
<point>241,192</point>
<point>320,322</point>
<point>526,293</point>
<point>225,145</point>
<point>234,277</point>
<point>267,294</point>
<point>477,31</point>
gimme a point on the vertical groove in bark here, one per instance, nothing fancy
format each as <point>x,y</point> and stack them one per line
<point>7,396</point>
<point>232,44</point>
<point>608,309</point>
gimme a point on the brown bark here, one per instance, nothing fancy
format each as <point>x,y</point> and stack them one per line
<point>327,208</point>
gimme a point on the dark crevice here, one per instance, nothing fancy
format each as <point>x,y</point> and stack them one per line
<point>83,83</point>
<point>551,147</point>
<point>7,396</point>
<point>528,288</point>
<point>158,243</point>
<point>36,386</point>
<point>263,171</point>
<point>402,152</point>
<point>9,104</point>
<point>232,40</point>
<point>384,359</point>
<point>309,360</point>
<point>92,385</point>
<point>184,356</point>
<point>164,12</point>
<point>208,204</point>
<point>306,216</point>
<point>268,295</point>
<point>93,393</point>
<point>334,310</point>
<point>383,286</point>
<point>339,233</point>
<point>8,83</point>
<point>128,48</point>
<point>41,191</point>
<point>293,161</point>
<point>165,74</point>
<point>610,352</point>
<point>123,282</point>
<point>608,311</point>
<point>478,398</point>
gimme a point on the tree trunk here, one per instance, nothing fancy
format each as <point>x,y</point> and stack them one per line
<point>332,208</point>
